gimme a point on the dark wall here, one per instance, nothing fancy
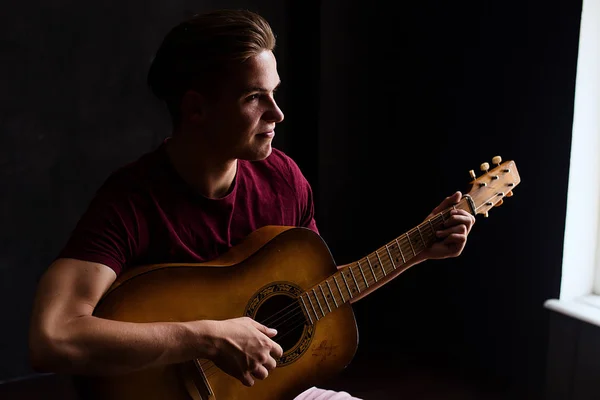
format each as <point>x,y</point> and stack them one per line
<point>573,358</point>
<point>74,106</point>
<point>385,111</point>
<point>412,100</point>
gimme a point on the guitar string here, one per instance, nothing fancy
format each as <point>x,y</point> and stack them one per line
<point>406,250</point>
<point>294,317</point>
<point>297,318</point>
<point>368,278</point>
<point>270,321</point>
<point>297,312</point>
<point>297,315</point>
<point>210,365</point>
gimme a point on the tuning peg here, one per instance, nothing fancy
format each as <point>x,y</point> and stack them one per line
<point>485,214</point>
<point>497,160</point>
<point>484,167</point>
<point>472,173</point>
<point>509,194</point>
<point>499,203</point>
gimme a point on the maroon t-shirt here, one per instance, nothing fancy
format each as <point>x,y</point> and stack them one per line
<point>145,213</point>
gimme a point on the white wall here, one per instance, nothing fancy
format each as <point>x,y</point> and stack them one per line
<point>582,239</point>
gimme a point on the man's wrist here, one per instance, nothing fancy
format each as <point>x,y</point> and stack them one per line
<point>200,338</point>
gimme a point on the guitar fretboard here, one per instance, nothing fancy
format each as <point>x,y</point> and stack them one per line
<point>377,267</point>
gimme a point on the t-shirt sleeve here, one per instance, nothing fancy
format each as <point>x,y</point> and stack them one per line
<point>107,233</point>
<point>307,206</point>
<point>305,196</point>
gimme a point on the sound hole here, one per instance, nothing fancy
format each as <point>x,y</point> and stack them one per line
<point>283,313</point>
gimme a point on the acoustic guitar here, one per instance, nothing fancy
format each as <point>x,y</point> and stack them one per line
<point>284,277</point>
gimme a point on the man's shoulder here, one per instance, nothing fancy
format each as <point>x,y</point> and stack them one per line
<point>134,175</point>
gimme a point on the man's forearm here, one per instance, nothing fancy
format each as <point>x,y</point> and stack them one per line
<point>93,346</point>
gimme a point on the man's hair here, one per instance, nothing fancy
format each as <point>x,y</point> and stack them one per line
<point>197,53</point>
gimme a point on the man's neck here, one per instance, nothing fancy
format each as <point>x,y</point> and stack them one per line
<point>211,177</point>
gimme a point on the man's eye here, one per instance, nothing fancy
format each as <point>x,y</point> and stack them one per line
<point>253,96</point>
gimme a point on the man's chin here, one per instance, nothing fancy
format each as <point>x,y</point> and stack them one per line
<point>259,154</point>
<point>265,153</point>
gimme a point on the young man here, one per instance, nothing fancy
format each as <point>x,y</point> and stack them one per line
<point>215,180</point>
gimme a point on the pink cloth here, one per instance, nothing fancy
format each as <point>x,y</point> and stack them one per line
<point>315,393</point>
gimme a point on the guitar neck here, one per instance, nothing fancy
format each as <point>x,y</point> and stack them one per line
<point>355,280</point>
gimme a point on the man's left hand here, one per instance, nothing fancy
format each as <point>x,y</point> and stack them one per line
<point>452,237</point>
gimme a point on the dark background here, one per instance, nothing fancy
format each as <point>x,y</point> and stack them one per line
<point>386,112</point>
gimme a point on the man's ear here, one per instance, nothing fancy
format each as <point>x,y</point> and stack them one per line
<point>193,106</point>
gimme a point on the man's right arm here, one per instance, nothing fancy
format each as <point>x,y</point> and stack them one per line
<point>66,338</point>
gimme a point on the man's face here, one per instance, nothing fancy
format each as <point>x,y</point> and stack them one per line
<point>240,121</point>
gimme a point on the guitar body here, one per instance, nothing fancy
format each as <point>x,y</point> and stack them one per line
<point>285,278</point>
<point>260,278</point>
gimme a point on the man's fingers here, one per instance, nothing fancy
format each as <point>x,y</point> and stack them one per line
<point>460,217</point>
<point>270,364</point>
<point>247,379</point>
<point>276,351</point>
<point>447,202</point>
<point>452,199</point>
<point>455,238</point>
<point>456,242</point>
<point>457,229</point>
<point>270,332</point>
<point>260,372</point>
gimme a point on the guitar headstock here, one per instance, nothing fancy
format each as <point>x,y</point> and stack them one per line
<point>492,186</point>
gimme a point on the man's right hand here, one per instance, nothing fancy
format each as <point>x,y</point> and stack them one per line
<point>244,349</point>
<point>65,337</point>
